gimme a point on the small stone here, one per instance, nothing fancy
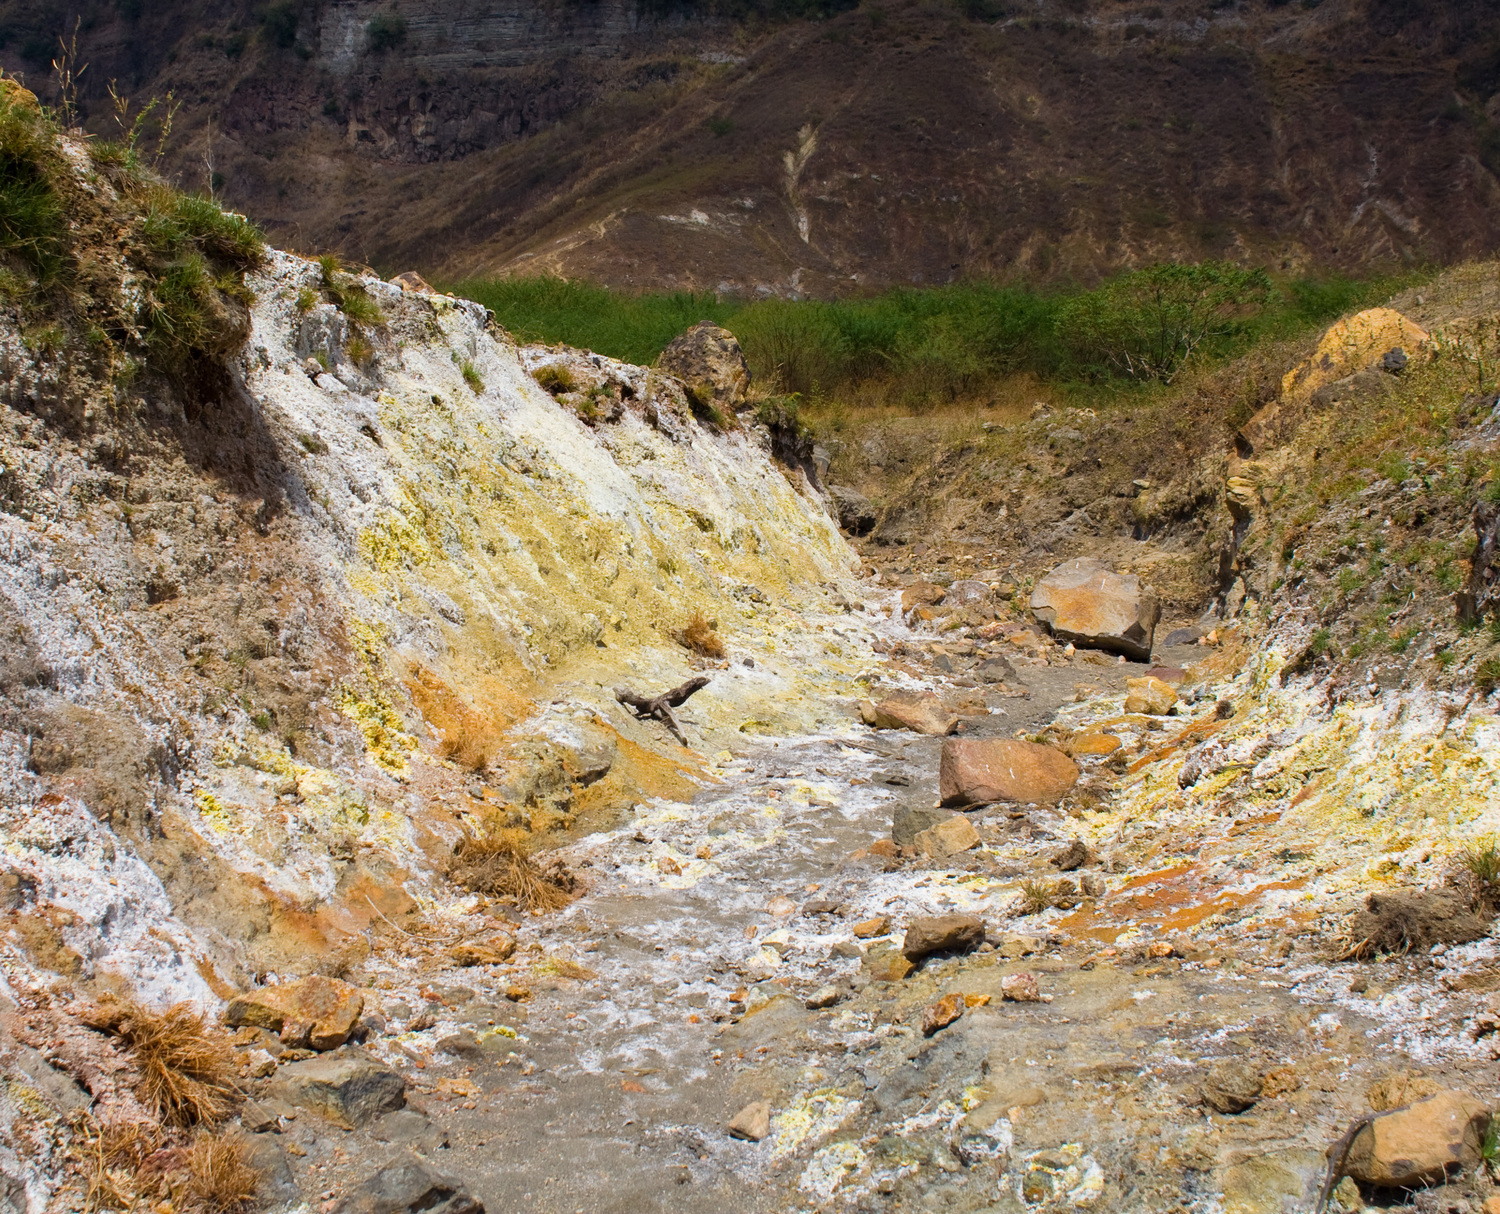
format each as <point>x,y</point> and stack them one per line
<point>349,1089</point>
<point>1346,1196</point>
<point>941,1014</point>
<point>1150,696</point>
<point>824,996</point>
<point>1159,948</point>
<point>820,906</point>
<point>948,838</point>
<point>1020,988</point>
<point>922,714</point>
<point>1232,1086</point>
<point>781,905</point>
<point>942,934</point>
<point>887,965</point>
<point>867,712</point>
<point>1074,855</point>
<point>260,1063</point>
<point>753,1122</point>
<point>976,1001</point>
<point>1417,1145</point>
<point>1014,947</point>
<point>518,994</point>
<point>255,1118</point>
<point>907,822</point>
<point>316,1012</point>
<point>847,950</point>
<point>870,928</point>
<point>493,952</point>
<point>406,1187</point>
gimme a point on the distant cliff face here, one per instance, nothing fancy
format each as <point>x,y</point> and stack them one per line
<point>918,143</point>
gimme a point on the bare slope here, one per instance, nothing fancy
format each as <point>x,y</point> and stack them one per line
<point>887,144</point>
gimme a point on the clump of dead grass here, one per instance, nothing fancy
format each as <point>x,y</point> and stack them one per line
<point>1035,897</point>
<point>1476,872</point>
<point>700,635</point>
<point>186,1063</point>
<point>220,1178</point>
<point>469,743</point>
<point>113,1155</point>
<point>499,864</point>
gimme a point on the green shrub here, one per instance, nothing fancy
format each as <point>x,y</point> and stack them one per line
<point>386,31</point>
<point>471,376</point>
<point>31,207</point>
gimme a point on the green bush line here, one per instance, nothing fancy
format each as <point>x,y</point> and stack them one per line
<point>935,344</point>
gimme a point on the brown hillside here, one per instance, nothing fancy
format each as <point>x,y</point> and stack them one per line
<point>894,143</point>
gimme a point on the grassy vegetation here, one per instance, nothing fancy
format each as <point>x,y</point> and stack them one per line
<point>121,270</point>
<point>923,347</point>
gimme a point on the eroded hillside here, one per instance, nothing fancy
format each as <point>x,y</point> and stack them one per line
<point>677,146</point>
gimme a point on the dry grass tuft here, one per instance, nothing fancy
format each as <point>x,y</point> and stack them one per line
<point>469,743</point>
<point>701,636</point>
<point>1036,896</point>
<point>1476,871</point>
<point>186,1063</point>
<point>112,1157</point>
<point>220,1178</point>
<point>498,865</point>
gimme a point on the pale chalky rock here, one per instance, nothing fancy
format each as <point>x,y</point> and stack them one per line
<point>972,771</point>
<point>942,934</point>
<point>312,1013</point>
<point>920,714</point>
<point>1021,988</point>
<point>1150,696</point>
<point>1087,603</point>
<point>1418,1145</point>
<point>753,1122</point>
<point>947,838</point>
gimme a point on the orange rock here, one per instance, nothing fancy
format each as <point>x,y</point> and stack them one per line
<point>1148,695</point>
<point>1004,769</point>
<point>976,1000</point>
<point>882,847</point>
<point>1093,743</point>
<point>1417,1145</point>
<point>871,928</point>
<point>923,594</point>
<point>492,952</point>
<point>313,1013</point>
<point>942,1013</point>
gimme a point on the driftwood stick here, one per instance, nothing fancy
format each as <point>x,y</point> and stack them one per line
<point>659,708</point>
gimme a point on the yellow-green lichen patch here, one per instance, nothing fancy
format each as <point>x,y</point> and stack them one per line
<point>386,740</point>
<point>214,813</point>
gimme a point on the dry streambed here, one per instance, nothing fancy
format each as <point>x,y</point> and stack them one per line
<point>727,1018</point>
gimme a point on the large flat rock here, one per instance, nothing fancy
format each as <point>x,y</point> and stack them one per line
<point>974,770</point>
<point>1086,602</point>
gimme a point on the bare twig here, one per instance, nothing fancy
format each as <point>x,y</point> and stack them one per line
<point>659,708</point>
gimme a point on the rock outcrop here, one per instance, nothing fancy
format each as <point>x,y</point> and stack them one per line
<point>708,362</point>
<point>1085,602</point>
<point>1419,1144</point>
<point>314,1013</point>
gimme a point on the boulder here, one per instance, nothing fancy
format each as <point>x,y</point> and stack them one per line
<point>312,1013</point>
<point>947,838</point>
<point>1150,696</point>
<point>406,1187</point>
<point>752,1123</point>
<point>1087,603</point>
<point>921,714</point>
<point>942,934</point>
<point>1231,1086</point>
<point>1418,1145</point>
<point>348,1089</point>
<point>971,771</point>
<point>710,365</point>
<point>921,594</point>
<point>908,822</point>
<point>856,513</point>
